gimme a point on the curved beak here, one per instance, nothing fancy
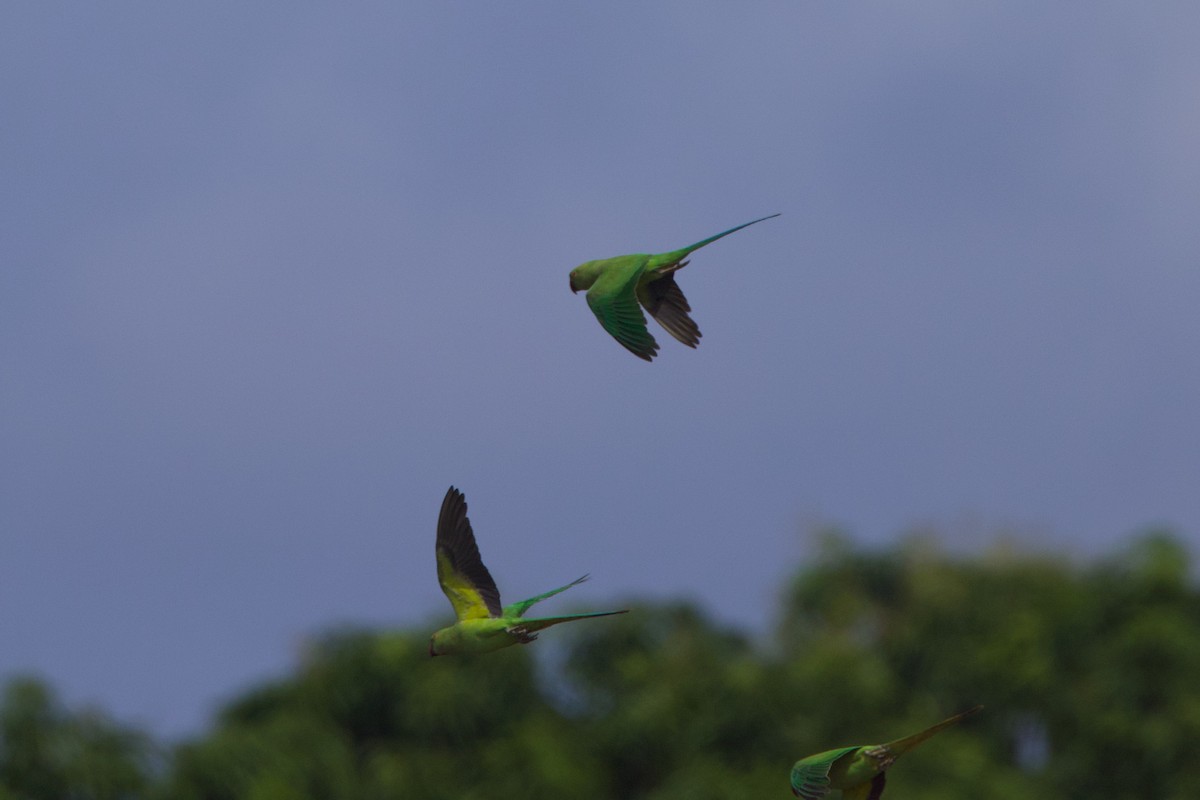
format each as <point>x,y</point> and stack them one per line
<point>574,288</point>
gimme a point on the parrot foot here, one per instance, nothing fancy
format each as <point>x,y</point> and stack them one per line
<point>523,635</point>
<point>882,756</point>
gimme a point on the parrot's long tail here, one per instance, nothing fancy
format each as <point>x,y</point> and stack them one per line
<point>677,255</point>
<point>540,623</point>
<point>909,742</point>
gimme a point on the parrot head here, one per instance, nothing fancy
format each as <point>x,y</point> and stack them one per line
<point>583,276</point>
<point>446,642</point>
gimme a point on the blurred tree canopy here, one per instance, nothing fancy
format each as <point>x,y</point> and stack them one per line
<point>46,751</point>
<point>1089,674</point>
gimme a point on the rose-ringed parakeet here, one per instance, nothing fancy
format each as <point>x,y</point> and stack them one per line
<point>483,625</point>
<point>860,772</point>
<point>616,285</point>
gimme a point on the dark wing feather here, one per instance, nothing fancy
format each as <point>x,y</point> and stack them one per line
<point>665,301</point>
<point>458,552</point>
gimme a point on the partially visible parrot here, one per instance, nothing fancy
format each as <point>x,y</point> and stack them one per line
<point>483,625</point>
<point>616,285</point>
<point>858,771</point>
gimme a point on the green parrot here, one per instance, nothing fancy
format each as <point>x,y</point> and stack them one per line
<point>616,286</point>
<point>858,771</point>
<point>483,625</point>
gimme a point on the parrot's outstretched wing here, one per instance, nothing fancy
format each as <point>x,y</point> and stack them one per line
<point>464,578</point>
<point>665,301</point>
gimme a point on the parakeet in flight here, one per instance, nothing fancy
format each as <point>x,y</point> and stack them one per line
<point>858,771</point>
<point>615,286</point>
<point>483,625</point>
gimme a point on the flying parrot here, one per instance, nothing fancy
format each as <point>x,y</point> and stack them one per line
<point>858,771</point>
<point>483,625</point>
<point>615,286</point>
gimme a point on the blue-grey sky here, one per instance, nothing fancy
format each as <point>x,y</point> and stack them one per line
<point>276,274</point>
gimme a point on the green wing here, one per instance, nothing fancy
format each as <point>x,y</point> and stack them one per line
<point>465,580</point>
<point>612,300</point>
<point>519,609</point>
<point>810,775</point>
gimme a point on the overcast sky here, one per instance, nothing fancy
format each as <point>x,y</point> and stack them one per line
<point>274,275</point>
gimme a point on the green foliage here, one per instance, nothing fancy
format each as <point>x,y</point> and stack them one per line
<point>369,716</point>
<point>47,753</point>
<point>1088,675</point>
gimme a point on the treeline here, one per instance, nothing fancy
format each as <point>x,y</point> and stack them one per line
<point>1090,674</point>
